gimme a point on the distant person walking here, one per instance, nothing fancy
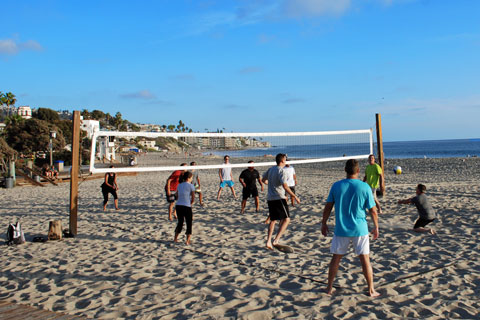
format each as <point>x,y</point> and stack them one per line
<point>291,180</point>
<point>276,199</point>
<point>426,214</point>
<point>110,186</point>
<point>351,198</point>
<point>186,197</point>
<point>226,178</point>
<point>248,178</point>
<point>170,191</point>
<point>375,179</point>
<point>196,183</point>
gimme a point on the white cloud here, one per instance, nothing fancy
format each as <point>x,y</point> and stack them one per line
<point>184,76</point>
<point>8,47</point>
<point>143,94</point>
<point>13,47</point>
<point>248,70</point>
<point>234,106</point>
<point>264,38</point>
<point>249,12</point>
<point>312,8</point>
<point>293,100</point>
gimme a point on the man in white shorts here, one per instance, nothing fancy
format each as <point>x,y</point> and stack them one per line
<point>351,197</point>
<point>291,180</point>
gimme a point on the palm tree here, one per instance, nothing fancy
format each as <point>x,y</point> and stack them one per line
<point>180,126</point>
<point>2,102</point>
<point>9,100</point>
<point>13,120</point>
<point>85,114</point>
<point>117,121</point>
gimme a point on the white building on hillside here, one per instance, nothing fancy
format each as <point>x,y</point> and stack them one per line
<point>148,144</point>
<point>25,112</point>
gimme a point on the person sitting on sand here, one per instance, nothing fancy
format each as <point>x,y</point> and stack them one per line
<point>170,191</point>
<point>186,196</point>
<point>248,178</point>
<point>351,198</point>
<point>196,183</point>
<point>110,186</point>
<point>54,173</point>
<point>375,179</point>
<point>46,171</point>
<point>425,210</point>
<point>276,199</point>
<point>226,178</point>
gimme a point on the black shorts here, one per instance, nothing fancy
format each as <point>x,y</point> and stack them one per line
<point>172,197</point>
<point>421,223</point>
<point>106,190</point>
<point>247,192</point>
<point>278,209</point>
<point>293,189</point>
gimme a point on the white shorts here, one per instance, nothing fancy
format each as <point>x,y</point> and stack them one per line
<point>374,191</point>
<point>360,244</point>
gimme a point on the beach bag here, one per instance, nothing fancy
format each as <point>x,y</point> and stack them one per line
<point>15,234</point>
<point>55,230</point>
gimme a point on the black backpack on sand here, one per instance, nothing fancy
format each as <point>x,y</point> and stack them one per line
<point>15,234</point>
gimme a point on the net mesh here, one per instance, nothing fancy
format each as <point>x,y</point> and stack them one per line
<point>208,149</point>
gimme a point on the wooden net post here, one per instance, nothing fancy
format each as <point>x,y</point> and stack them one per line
<point>74,173</point>
<point>378,118</point>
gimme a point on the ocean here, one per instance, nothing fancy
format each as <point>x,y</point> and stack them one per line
<point>392,150</point>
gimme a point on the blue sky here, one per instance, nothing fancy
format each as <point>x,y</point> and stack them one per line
<point>287,65</point>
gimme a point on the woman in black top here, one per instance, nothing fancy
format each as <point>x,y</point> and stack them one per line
<point>110,186</point>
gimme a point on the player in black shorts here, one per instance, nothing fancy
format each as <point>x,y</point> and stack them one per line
<point>277,200</point>
<point>248,178</point>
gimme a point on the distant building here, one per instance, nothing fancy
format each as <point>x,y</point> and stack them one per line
<point>148,144</point>
<point>65,115</point>
<point>224,142</point>
<point>150,127</point>
<point>25,112</point>
<point>106,146</point>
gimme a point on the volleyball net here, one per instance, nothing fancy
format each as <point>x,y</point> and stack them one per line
<point>166,150</point>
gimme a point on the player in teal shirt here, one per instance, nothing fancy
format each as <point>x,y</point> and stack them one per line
<point>351,198</point>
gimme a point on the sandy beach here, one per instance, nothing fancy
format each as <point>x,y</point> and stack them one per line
<point>124,265</point>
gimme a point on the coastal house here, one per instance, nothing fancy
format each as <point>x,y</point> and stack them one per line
<point>65,115</point>
<point>25,112</point>
<point>106,146</point>
<point>150,127</point>
<point>148,144</point>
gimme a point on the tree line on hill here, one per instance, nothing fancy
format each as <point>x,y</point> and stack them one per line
<point>28,138</point>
